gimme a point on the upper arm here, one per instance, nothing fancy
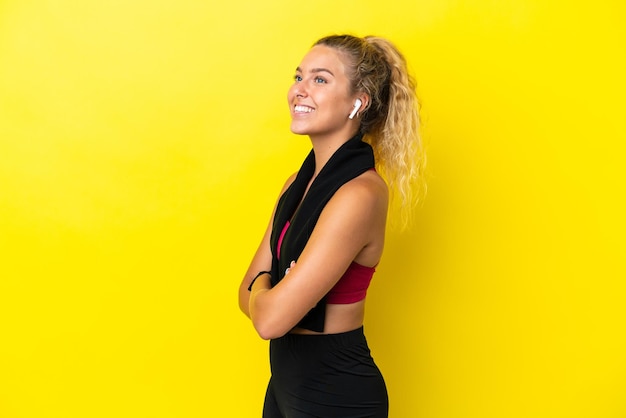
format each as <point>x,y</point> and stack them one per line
<point>351,221</point>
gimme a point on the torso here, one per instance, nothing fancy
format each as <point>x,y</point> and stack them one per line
<point>339,318</point>
<point>349,316</point>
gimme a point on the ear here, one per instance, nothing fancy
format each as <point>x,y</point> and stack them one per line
<point>365,102</point>
<point>361,103</point>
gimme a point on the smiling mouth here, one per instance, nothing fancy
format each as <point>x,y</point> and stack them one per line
<point>303,109</point>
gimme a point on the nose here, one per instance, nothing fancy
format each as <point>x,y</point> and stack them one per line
<point>299,90</point>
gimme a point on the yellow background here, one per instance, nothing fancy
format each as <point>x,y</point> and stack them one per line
<point>142,145</point>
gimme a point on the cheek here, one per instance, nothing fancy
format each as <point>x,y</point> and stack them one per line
<point>340,103</point>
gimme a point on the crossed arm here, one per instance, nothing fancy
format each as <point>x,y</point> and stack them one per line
<point>344,229</point>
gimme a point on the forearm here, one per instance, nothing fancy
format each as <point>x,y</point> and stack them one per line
<point>270,311</point>
<point>274,310</point>
<point>258,301</point>
<point>245,289</point>
<point>244,300</point>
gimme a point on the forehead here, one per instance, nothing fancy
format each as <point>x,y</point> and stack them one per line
<point>321,56</point>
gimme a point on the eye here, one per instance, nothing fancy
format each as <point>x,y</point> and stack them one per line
<point>297,78</point>
<point>320,80</point>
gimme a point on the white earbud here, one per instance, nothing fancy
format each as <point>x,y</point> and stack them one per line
<point>357,106</point>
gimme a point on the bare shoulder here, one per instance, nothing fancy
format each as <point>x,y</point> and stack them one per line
<point>368,188</point>
<point>353,222</point>
<point>362,200</point>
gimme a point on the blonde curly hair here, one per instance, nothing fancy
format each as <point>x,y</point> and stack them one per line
<point>390,122</point>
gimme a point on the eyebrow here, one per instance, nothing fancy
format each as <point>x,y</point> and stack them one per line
<point>317,70</point>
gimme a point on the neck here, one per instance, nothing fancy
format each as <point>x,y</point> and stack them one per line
<point>325,146</point>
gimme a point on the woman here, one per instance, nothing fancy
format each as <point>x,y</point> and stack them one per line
<point>306,285</point>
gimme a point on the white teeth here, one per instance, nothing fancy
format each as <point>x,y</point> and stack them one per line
<point>304,109</point>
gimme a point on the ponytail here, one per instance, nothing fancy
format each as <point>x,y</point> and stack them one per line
<point>390,122</point>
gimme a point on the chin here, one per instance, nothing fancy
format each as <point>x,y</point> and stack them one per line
<point>298,130</point>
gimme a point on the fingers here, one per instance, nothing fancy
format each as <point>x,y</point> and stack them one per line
<point>293,263</point>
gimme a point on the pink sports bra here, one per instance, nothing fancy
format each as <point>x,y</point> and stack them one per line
<point>351,287</point>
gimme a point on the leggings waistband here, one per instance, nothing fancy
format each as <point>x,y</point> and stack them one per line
<point>341,339</point>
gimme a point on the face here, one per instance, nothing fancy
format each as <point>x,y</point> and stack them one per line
<point>320,99</point>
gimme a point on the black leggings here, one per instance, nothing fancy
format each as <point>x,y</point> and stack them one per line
<point>325,376</point>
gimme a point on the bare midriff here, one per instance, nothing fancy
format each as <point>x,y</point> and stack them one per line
<point>339,318</point>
